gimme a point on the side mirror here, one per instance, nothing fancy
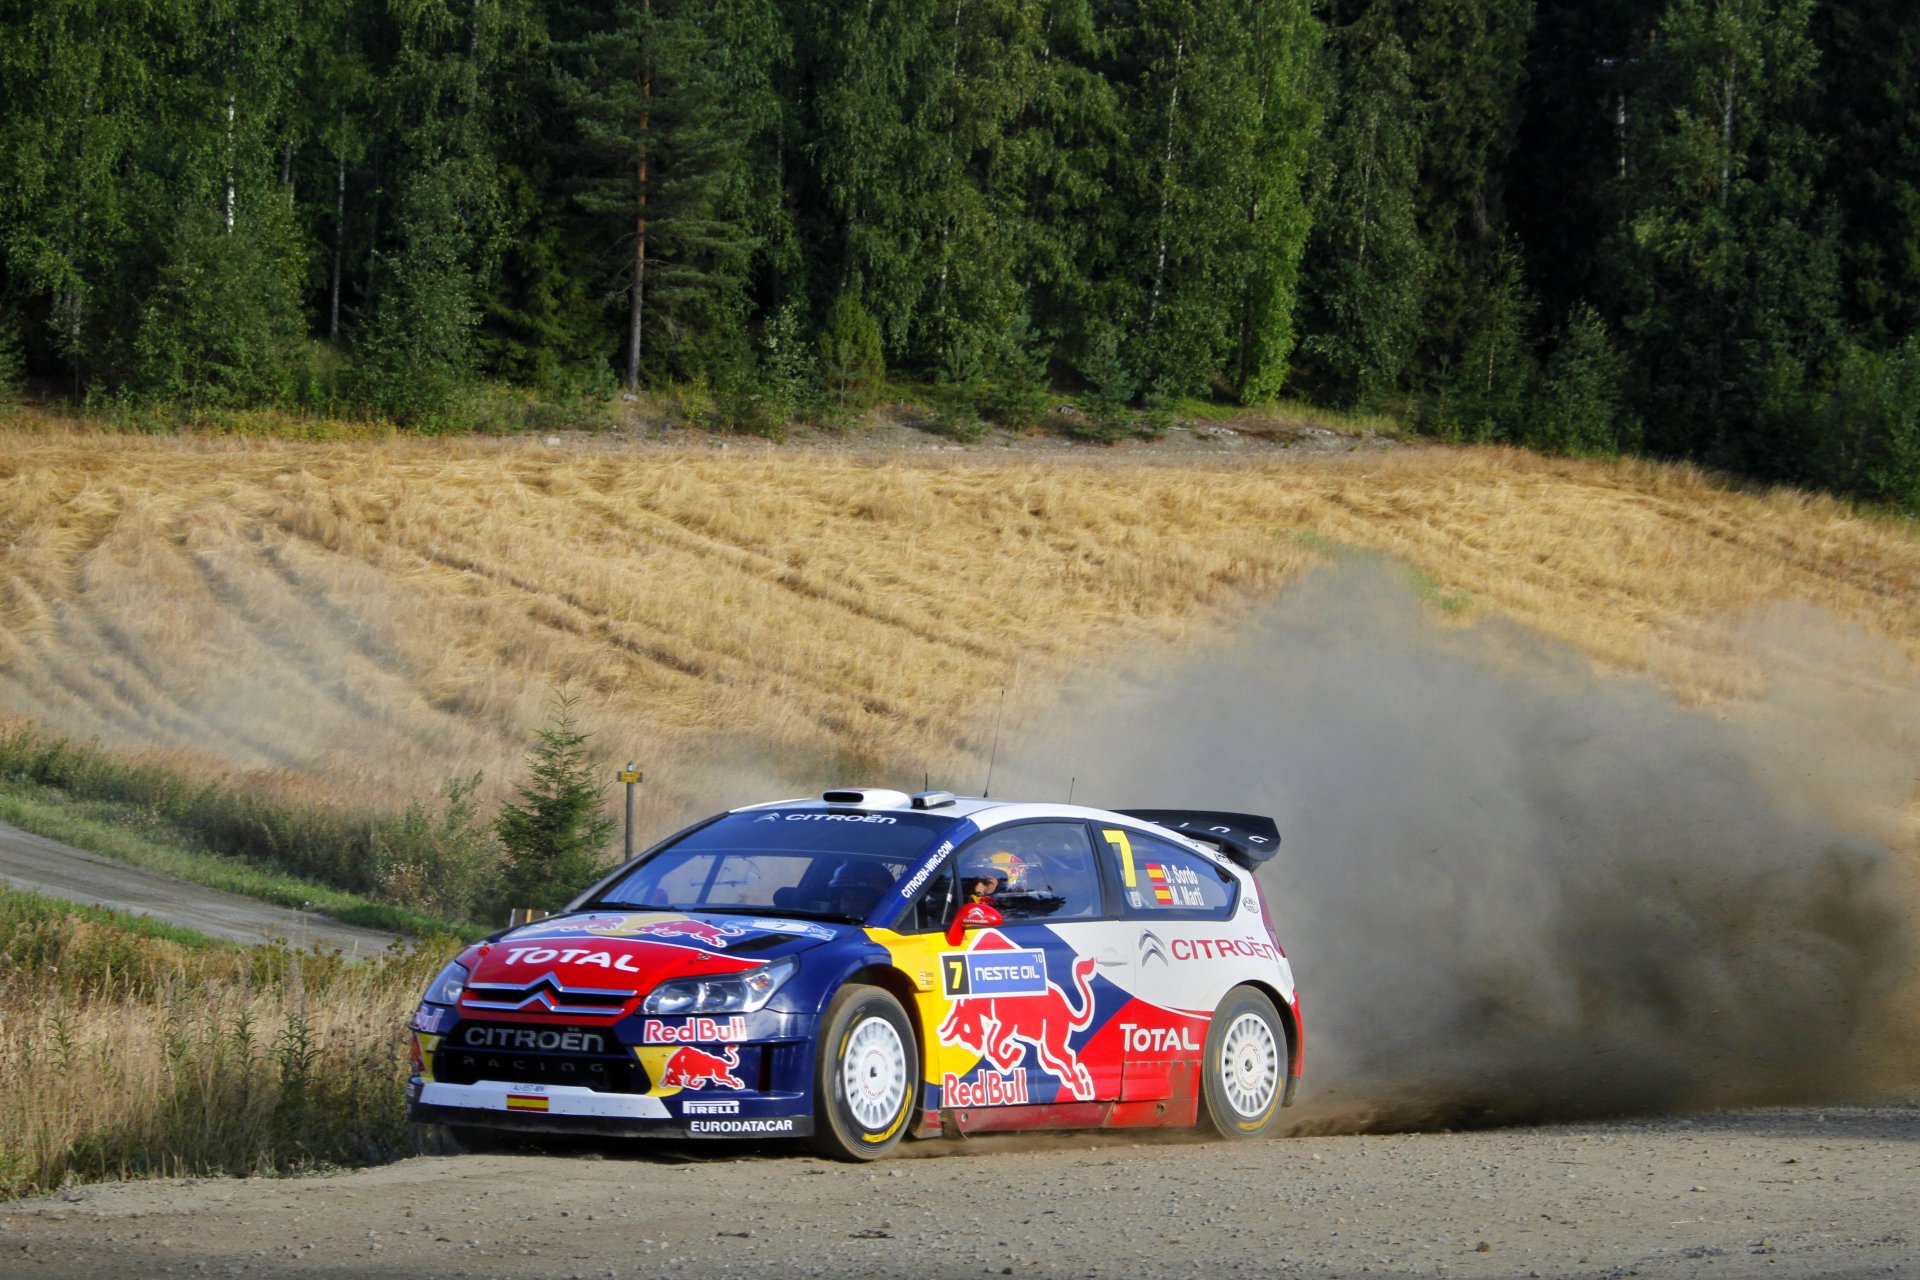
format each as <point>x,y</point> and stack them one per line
<point>975,915</point>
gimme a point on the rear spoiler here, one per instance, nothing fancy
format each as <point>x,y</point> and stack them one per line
<point>1247,838</point>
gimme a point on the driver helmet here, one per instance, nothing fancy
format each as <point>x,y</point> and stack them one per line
<point>1005,868</point>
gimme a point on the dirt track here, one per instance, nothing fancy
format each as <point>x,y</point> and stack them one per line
<point>46,866</point>
<point>1772,1193</point>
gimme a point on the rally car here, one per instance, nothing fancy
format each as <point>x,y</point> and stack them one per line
<point>871,965</point>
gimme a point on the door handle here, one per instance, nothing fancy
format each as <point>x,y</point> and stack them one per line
<point>1109,958</point>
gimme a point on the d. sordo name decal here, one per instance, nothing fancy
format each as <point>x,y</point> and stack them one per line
<point>990,1090</point>
<point>694,1031</point>
<point>782,1124</point>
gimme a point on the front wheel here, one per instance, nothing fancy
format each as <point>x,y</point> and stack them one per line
<point>866,1073</point>
<point>1245,1064</point>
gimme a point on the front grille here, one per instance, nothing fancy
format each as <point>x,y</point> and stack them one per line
<point>522,1054</point>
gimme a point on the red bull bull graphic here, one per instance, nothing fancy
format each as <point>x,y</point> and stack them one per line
<point>707,935</point>
<point>1004,1005</point>
<point>692,1068</point>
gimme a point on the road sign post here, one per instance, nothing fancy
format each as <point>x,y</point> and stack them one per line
<point>630,777</point>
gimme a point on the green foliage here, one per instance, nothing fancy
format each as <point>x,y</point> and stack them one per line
<point>1485,395</point>
<point>444,862</point>
<point>222,326</point>
<point>555,837</point>
<point>1580,408</point>
<point>1870,425</point>
<point>417,356</point>
<point>1369,267</point>
<point>12,367</point>
<point>852,367</point>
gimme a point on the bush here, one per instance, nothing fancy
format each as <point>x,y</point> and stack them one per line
<point>12,366</point>
<point>443,862</point>
<point>222,328</point>
<point>417,357</point>
<point>852,363</point>
<point>1581,408</point>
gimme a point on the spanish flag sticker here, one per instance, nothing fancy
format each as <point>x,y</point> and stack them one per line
<point>526,1102</point>
<point>1157,877</point>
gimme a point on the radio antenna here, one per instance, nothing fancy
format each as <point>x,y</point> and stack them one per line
<point>987,791</point>
<point>1070,782</point>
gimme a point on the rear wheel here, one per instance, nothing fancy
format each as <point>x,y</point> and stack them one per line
<point>1245,1065</point>
<point>866,1075</point>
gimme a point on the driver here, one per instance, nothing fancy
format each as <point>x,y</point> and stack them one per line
<point>990,871</point>
<point>856,887</point>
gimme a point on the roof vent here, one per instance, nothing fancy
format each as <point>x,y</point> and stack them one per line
<point>932,799</point>
<point>866,797</point>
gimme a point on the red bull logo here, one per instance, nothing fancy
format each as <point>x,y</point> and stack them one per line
<point>1005,1018</point>
<point>692,1068</point>
<point>707,935</point>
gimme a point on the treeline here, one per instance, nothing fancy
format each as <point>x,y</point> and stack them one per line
<point>1685,226</point>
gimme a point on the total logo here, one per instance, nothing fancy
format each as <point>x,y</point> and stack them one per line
<point>572,955</point>
<point>692,1068</point>
<point>694,1031</point>
<point>1025,1013</point>
<point>1140,1039</point>
<point>988,1090</point>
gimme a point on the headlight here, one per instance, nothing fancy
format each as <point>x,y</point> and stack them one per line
<point>734,993</point>
<point>446,988</point>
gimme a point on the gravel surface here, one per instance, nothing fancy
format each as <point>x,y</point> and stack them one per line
<point>1769,1193</point>
<point>46,866</point>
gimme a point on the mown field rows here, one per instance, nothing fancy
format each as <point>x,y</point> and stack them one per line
<point>371,618</point>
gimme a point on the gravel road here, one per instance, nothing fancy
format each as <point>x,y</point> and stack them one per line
<point>46,866</point>
<point>1774,1193</point>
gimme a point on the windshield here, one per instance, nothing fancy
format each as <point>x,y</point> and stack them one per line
<point>798,862</point>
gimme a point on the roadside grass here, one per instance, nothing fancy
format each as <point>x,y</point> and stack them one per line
<point>114,830</point>
<point>130,1050</point>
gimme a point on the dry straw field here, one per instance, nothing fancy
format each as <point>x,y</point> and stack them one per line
<point>370,618</point>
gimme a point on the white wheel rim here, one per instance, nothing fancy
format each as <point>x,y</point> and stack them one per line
<point>874,1073</point>
<point>1249,1065</point>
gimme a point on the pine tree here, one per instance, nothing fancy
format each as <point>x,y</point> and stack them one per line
<point>555,837</point>
<point>1724,266</point>
<point>1367,264</point>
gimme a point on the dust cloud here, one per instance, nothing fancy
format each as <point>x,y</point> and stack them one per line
<point>1516,890</point>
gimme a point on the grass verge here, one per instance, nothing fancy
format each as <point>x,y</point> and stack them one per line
<point>109,829</point>
<point>132,1050</point>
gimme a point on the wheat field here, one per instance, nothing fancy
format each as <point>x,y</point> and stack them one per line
<point>369,618</point>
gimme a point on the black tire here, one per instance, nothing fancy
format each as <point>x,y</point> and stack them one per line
<point>866,1078</point>
<point>1243,1069</point>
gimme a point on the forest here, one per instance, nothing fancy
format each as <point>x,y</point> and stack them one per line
<point>1685,228</point>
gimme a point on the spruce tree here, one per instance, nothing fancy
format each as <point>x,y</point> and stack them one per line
<point>555,837</point>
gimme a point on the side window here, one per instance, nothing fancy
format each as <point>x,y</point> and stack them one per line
<point>1157,877</point>
<point>1033,871</point>
<point>934,907</point>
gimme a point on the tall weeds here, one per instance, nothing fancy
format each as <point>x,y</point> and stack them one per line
<point>127,1054</point>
